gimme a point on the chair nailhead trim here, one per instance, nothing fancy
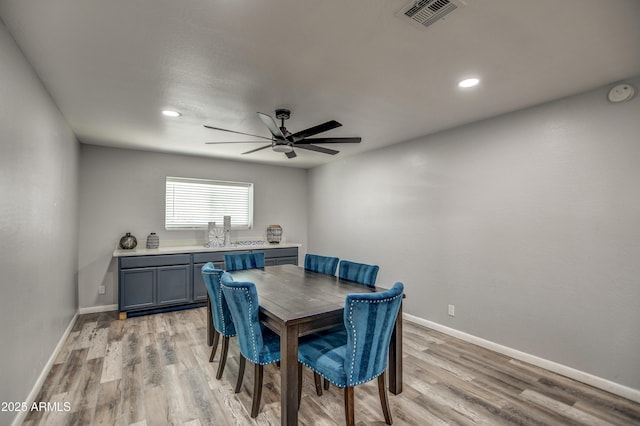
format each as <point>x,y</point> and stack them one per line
<point>220,296</point>
<point>337,384</point>
<point>224,324</point>
<point>355,340</point>
<point>253,335</point>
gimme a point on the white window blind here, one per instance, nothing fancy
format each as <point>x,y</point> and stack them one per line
<point>193,203</point>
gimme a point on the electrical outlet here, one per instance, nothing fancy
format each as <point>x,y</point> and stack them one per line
<point>452,310</point>
<point>102,289</point>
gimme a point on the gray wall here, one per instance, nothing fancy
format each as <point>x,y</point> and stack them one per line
<point>529,223</point>
<point>38,225</point>
<point>123,191</point>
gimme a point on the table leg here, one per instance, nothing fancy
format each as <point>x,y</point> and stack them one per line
<point>209,322</point>
<point>289,376</point>
<point>395,356</point>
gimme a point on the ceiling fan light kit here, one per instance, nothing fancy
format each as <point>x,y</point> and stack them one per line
<point>282,147</point>
<point>283,141</point>
<point>171,113</point>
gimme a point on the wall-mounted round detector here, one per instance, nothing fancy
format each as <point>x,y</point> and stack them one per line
<point>621,93</point>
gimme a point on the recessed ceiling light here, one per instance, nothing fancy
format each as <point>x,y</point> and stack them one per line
<point>469,82</point>
<point>170,113</point>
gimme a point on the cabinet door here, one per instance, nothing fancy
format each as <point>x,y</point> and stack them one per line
<point>137,289</point>
<point>173,284</point>
<point>293,260</point>
<point>199,288</point>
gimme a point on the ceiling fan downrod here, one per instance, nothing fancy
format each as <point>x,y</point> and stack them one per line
<point>283,114</point>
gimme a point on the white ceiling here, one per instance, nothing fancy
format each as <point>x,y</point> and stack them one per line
<point>112,66</point>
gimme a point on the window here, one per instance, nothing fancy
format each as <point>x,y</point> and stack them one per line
<point>193,203</point>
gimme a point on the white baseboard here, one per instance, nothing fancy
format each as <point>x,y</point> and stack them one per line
<point>572,373</point>
<point>19,419</point>
<point>96,309</point>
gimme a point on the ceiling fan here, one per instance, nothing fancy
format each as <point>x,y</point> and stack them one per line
<point>284,141</point>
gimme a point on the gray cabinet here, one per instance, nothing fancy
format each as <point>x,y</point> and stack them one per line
<point>137,288</point>
<point>199,289</point>
<point>173,285</point>
<point>152,283</point>
<point>199,260</point>
<point>281,256</point>
<point>149,282</point>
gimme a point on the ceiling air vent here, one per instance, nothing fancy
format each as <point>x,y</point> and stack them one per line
<point>426,12</point>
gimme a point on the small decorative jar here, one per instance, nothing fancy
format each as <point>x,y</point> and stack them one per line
<point>274,234</point>
<point>128,242</point>
<point>153,241</point>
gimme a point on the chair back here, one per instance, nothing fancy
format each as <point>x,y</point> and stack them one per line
<point>358,272</point>
<point>242,298</point>
<point>238,261</point>
<point>221,315</point>
<point>323,264</point>
<point>369,320</point>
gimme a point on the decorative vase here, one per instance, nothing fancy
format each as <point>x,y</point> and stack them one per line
<point>153,241</point>
<point>226,227</point>
<point>128,242</point>
<point>274,234</point>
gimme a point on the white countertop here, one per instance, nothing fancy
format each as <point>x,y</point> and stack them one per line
<point>176,249</point>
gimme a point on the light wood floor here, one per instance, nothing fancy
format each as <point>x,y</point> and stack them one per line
<point>154,370</point>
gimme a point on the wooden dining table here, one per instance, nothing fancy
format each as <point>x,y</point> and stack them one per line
<point>295,302</point>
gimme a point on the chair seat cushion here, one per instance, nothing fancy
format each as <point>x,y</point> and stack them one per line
<point>325,354</point>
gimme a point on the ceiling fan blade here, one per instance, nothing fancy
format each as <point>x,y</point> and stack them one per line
<point>315,130</point>
<point>257,149</point>
<point>272,125</point>
<point>331,140</point>
<point>233,131</point>
<point>317,148</point>
<point>291,154</point>
<point>220,143</point>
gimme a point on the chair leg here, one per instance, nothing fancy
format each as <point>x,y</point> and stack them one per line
<point>243,361</point>
<point>257,390</point>
<point>349,413</point>
<point>318,382</point>
<point>326,384</point>
<point>299,384</point>
<point>384,401</point>
<point>216,338</point>
<point>223,356</point>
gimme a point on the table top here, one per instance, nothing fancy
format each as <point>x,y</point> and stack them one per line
<point>290,293</point>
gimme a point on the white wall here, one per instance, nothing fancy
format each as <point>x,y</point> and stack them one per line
<point>528,223</point>
<point>38,218</point>
<point>123,191</point>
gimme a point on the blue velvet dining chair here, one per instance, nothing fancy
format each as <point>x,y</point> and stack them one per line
<point>238,261</point>
<point>257,343</point>
<point>358,353</point>
<point>323,264</point>
<point>358,272</point>
<point>222,322</point>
